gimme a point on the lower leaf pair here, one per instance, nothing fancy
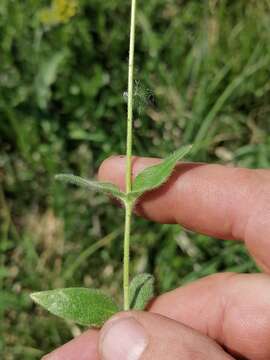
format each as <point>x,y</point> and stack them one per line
<point>91,307</point>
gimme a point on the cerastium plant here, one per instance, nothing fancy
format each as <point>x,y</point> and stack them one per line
<point>92,307</point>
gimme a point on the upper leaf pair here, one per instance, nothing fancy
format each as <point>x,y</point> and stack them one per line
<point>104,187</point>
<point>149,179</point>
<point>154,176</point>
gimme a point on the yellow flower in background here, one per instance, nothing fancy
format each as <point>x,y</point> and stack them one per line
<point>60,11</point>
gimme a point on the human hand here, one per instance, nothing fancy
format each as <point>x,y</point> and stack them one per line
<point>223,316</point>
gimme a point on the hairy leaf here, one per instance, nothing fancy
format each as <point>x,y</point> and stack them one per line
<point>106,188</point>
<point>154,176</point>
<point>141,291</point>
<point>84,306</point>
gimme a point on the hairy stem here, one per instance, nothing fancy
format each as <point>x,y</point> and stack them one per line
<point>128,208</point>
<point>128,205</point>
<point>130,97</point>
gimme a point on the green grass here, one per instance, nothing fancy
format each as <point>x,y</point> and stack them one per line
<point>62,109</point>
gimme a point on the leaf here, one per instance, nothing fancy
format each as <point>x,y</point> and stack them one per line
<point>141,291</point>
<point>106,188</point>
<point>84,306</point>
<point>154,176</point>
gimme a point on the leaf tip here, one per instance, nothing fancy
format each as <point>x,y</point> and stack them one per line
<point>59,177</point>
<point>35,297</point>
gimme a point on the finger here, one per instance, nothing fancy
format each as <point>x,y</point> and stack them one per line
<point>84,347</point>
<point>229,203</point>
<point>233,309</point>
<point>230,308</point>
<point>146,336</point>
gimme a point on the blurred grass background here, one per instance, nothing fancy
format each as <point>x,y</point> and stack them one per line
<point>202,74</point>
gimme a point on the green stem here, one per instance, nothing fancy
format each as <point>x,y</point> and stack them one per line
<point>128,208</point>
<point>128,204</point>
<point>130,97</point>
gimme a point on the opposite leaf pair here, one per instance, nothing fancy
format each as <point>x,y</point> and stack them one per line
<point>91,307</point>
<point>149,179</point>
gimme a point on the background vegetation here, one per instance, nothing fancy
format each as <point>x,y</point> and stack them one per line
<point>202,75</point>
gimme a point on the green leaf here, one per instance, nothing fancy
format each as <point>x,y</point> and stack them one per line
<point>84,306</point>
<point>141,291</point>
<point>154,176</point>
<point>106,188</point>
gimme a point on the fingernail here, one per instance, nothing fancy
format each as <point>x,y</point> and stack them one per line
<point>123,339</point>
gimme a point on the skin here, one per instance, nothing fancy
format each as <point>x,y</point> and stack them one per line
<point>223,316</point>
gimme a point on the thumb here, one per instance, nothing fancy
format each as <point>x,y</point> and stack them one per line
<point>148,336</point>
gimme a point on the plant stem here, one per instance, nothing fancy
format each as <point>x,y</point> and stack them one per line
<point>128,204</point>
<point>128,207</point>
<point>130,98</point>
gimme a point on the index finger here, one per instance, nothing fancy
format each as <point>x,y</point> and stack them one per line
<point>220,201</point>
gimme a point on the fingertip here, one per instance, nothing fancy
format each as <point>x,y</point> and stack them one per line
<point>112,170</point>
<point>137,335</point>
<point>122,335</point>
<point>118,316</point>
<point>105,168</point>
